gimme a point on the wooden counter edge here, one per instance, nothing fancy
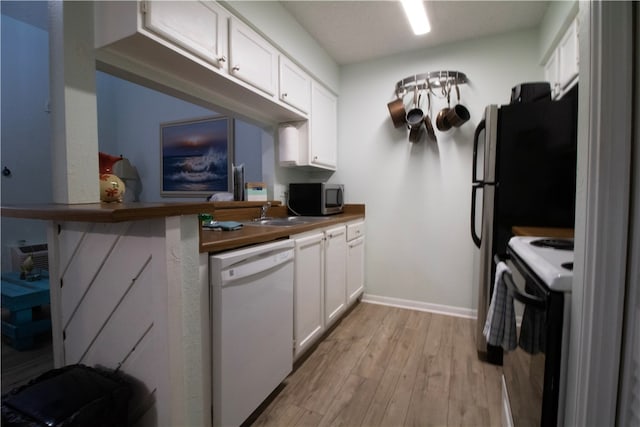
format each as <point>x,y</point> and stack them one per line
<point>117,212</point>
<point>566,233</point>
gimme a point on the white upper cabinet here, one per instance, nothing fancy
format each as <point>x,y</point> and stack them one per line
<point>323,150</point>
<point>551,74</point>
<point>562,67</point>
<point>295,85</point>
<point>313,142</point>
<point>252,58</point>
<point>568,56</point>
<point>188,46</point>
<point>197,26</point>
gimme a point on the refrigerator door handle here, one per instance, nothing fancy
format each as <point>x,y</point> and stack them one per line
<point>481,126</point>
<point>476,239</point>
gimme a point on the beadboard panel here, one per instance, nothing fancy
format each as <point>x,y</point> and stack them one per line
<point>142,364</point>
<point>133,314</point>
<point>71,234</point>
<point>113,283</point>
<point>94,248</point>
<point>113,306</point>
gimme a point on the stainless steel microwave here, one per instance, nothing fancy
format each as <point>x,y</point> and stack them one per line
<point>316,198</point>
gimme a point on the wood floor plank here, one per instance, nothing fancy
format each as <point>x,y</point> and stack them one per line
<point>326,384</point>
<point>280,415</point>
<point>440,334</point>
<point>427,409</point>
<point>384,392</point>
<point>463,414</point>
<point>350,405</point>
<point>376,357</point>
<point>19,367</point>
<point>407,359</point>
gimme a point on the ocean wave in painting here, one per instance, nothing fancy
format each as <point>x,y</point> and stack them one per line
<point>206,172</point>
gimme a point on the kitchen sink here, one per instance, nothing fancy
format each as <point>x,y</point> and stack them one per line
<point>287,221</point>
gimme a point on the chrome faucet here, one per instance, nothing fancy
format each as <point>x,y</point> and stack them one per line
<point>263,210</point>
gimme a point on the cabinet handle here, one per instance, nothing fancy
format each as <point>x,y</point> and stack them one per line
<point>236,68</point>
<point>222,59</point>
<point>284,95</point>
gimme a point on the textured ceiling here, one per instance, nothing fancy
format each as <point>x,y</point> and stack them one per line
<point>356,31</point>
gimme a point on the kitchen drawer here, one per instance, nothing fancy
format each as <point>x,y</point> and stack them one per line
<point>355,230</point>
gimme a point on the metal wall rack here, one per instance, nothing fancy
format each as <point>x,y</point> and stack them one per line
<point>432,80</point>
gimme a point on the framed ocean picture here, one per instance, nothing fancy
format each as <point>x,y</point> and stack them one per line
<point>196,157</point>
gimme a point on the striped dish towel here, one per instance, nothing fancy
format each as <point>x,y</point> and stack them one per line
<point>500,327</point>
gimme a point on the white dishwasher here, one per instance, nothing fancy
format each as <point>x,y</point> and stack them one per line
<point>252,327</point>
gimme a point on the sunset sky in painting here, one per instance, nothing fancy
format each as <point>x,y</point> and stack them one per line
<point>192,139</point>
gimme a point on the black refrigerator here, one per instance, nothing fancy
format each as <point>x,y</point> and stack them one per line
<point>524,174</point>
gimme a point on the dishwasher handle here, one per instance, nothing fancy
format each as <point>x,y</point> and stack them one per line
<point>255,265</point>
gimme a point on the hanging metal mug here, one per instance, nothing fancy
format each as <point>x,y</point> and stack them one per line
<point>415,116</point>
<point>458,115</point>
<point>397,111</point>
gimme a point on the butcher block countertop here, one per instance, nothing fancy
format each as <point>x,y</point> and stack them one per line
<point>563,233</point>
<point>104,212</point>
<point>210,241</point>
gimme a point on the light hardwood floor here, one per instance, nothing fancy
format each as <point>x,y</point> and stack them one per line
<point>19,367</point>
<point>381,366</point>
<point>386,366</point>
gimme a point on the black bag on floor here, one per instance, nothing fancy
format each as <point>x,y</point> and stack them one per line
<point>75,395</point>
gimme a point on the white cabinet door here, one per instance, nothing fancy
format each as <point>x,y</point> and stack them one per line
<point>323,150</point>
<point>561,70</point>
<point>568,56</point>
<point>355,261</point>
<point>308,321</point>
<point>551,74</point>
<point>199,27</point>
<point>335,274</point>
<point>295,85</point>
<point>252,58</point>
<point>355,269</point>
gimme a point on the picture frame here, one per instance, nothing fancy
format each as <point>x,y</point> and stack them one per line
<point>196,157</point>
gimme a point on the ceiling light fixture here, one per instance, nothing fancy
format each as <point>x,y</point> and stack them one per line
<point>417,16</point>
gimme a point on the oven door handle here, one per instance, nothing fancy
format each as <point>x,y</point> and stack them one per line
<point>523,297</point>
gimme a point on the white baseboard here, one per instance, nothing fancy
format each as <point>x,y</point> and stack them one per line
<point>421,306</point>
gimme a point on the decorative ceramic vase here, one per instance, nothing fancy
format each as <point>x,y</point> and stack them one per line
<point>111,187</point>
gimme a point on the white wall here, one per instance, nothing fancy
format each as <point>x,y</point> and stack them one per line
<point>418,196</point>
<point>25,145</point>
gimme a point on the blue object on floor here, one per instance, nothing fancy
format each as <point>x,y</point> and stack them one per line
<point>20,297</point>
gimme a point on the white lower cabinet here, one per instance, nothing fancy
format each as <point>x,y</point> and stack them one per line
<point>308,306</point>
<point>335,273</point>
<point>355,261</point>
<point>328,278</point>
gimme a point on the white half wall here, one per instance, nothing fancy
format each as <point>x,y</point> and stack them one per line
<point>418,196</point>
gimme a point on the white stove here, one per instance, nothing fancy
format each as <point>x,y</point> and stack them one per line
<point>551,259</point>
